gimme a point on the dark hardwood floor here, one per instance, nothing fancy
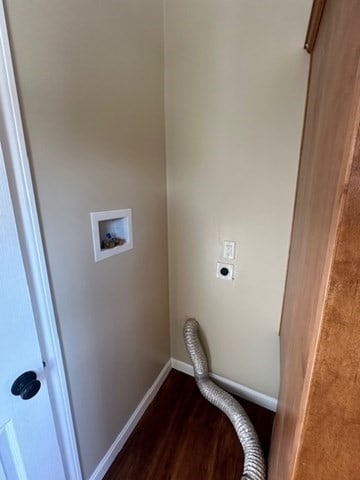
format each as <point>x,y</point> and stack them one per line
<point>183,437</point>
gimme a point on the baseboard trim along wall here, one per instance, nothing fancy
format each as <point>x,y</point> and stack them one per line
<point>125,433</point>
<point>241,391</point>
<point>237,389</point>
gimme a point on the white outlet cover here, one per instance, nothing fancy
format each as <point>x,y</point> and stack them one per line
<point>220,271</point>
<point>229,249</point>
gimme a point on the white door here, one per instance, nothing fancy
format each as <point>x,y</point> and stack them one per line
<point>28,445</point>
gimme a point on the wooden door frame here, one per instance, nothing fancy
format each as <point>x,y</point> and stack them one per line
<point>22,192</point>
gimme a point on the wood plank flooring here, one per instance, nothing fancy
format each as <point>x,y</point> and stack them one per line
<point>183,437</point>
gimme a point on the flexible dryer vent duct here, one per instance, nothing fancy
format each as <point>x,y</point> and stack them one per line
<point>254,464</point>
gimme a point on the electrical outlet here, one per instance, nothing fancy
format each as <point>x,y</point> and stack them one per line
<point>225,271</point>
<point>229,250</point>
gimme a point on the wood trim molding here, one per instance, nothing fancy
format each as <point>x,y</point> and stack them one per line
<point>314,24</point>
<point>310,393</point>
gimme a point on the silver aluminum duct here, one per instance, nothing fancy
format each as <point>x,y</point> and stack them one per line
<point>254,463</point>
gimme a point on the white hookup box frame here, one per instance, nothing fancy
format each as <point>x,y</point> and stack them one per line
<point>116,223</point>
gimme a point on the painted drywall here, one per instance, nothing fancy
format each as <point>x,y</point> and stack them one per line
<point>235,83</point>
<point>90,79</point>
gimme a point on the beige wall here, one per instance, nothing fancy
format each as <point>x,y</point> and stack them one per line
<point>92,95</point>
<point>236,78</point>
<point>91,86</point>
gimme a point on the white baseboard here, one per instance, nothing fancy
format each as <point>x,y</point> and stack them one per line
<point>236,388</point>
<point>119,442</point>
<point>241,391</point>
